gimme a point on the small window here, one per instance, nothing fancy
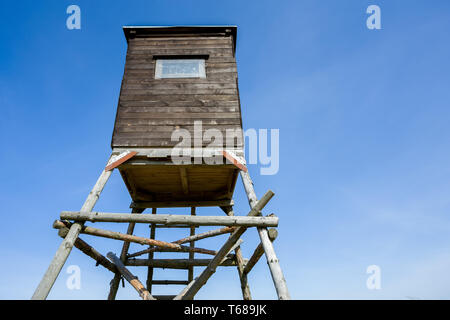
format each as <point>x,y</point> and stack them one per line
<point>180,68</point>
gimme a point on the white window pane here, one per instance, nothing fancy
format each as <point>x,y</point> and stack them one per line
<point>180,68</point>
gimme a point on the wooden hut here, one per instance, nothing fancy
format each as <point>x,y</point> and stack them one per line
<point>178,78</point>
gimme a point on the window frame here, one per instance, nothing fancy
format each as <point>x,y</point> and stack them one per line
<point>159,68</point>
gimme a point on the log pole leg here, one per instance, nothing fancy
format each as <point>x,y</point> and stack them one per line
<point>67,244</point>
<point>114,286</point>
<point>246,294</point>
<point>151,255</point>
<point>272,260</point>
<point>133,280</point>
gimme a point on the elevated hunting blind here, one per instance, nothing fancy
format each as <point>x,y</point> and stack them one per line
<point>177,142</point>
<point>179,79</point>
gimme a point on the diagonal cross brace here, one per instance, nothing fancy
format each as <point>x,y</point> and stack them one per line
<point>211,268</point>
<point>133,280</point>
<point>272,260</point>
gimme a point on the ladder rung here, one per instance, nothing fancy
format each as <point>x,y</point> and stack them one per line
<point>164,282</point>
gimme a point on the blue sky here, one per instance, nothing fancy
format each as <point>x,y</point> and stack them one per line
<point>364,140</point>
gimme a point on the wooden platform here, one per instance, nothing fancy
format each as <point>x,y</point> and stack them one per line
<point>159,180</point>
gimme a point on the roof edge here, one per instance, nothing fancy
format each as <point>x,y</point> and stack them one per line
<point>133,31</point>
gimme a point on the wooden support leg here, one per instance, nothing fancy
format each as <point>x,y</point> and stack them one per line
<point>211,268</point>
<point>246,294</point>
<point>272,260</point>
<point>67,244</point>
<point>123,255</point>
<point>130,277</point>
<point>151,255</point>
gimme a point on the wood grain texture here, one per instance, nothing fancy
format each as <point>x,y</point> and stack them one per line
<point>127,275</point>
<point>162,185</point>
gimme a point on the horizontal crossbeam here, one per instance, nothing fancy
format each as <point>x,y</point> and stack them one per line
<point>133,280</point>
<point>173,247</point>
<point>259,251</point>
<point>177,263</point>
<point>195,237</point>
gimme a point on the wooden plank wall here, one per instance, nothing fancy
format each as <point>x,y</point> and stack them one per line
<point>150,109</point>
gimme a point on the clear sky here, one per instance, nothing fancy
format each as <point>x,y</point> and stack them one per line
<point>363,116</point>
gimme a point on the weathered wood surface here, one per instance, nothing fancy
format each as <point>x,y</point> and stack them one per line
<point>151,153</point>
<point>209,271</point>
<point>158,183</point>
<point>131,238</point>
<point>183,292</point>
<point>233,247</point>
<point>195,237</point>
<point>151,254</point>
<point>170,282</point>
<point>89,251</point>
<point>147,101</point>
<point>133,280</point>
<point>191,245</point>
<point>272,260</point>
<point>168,219</point>
<point>114,285</point>
<point>206,234</point>
<point>67,244</point>
<point>174,226</point>
<point>164,297</point>
<point>178,263</point>
<point>184,180</point>
<point>115,161</point>
<point>154,185</point>
<point>259,251</point>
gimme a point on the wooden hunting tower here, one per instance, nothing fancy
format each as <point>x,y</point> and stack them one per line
<point>179,100</point>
